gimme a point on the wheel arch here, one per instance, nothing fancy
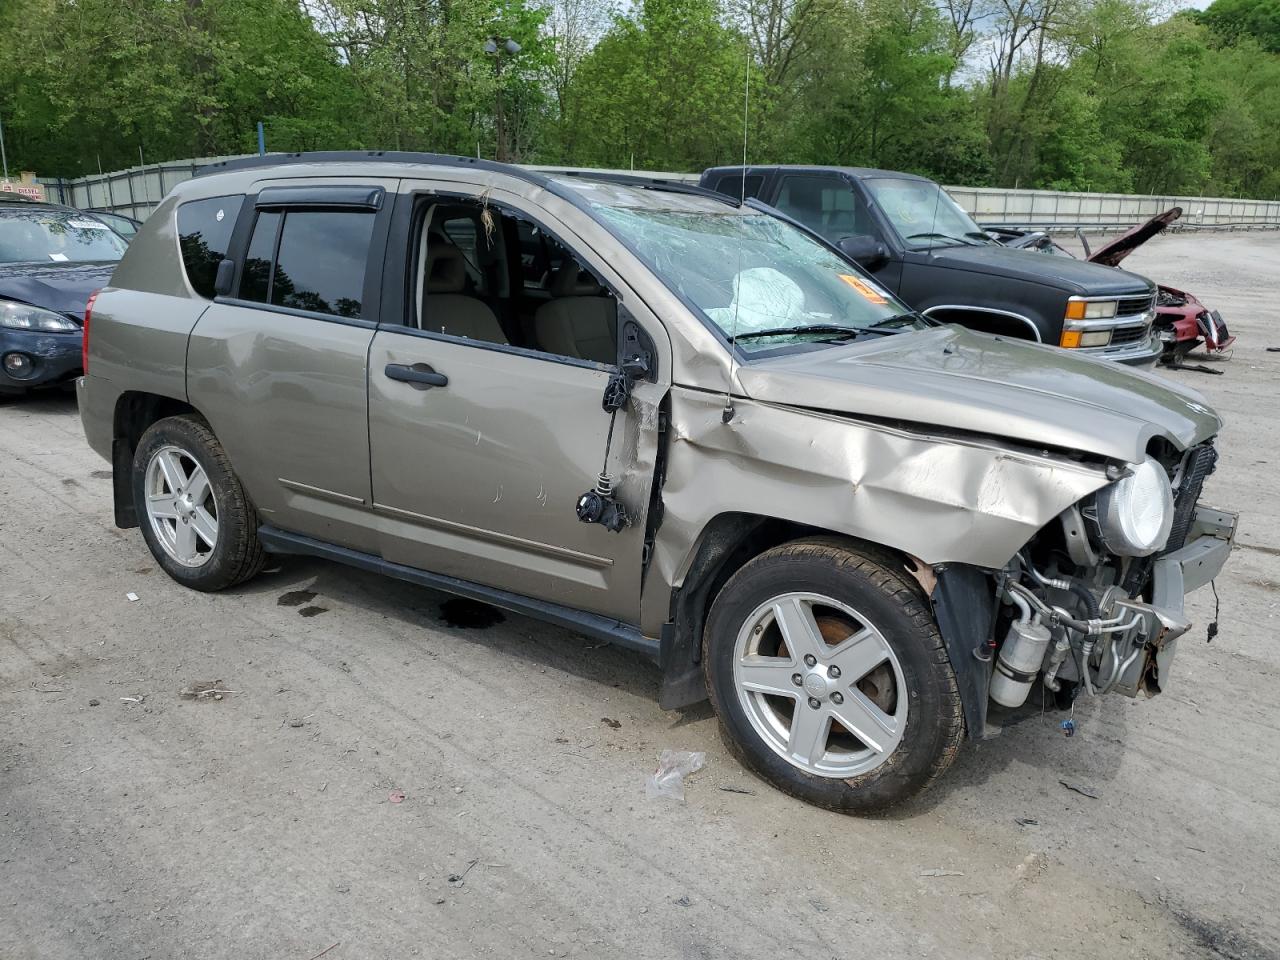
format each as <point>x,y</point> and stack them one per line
<point>961,596</point>
<point>135,411</point>
<point>726,543</point>
<point>1007,323</point>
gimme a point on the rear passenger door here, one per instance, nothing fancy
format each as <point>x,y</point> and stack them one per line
<point>278,364</point>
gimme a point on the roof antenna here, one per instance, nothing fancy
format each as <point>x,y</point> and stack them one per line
<point>937,199</point>
<point>726,415</point>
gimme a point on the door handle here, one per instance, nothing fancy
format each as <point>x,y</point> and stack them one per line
<point>418,375</point>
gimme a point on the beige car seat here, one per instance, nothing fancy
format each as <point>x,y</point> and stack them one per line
<point>581,320</point>
<point>448,309</point>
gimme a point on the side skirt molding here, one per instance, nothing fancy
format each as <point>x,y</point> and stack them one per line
<point>590,624</point>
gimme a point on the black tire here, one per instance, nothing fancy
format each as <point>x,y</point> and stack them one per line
<point>892,601</point>
<point>237,555</point>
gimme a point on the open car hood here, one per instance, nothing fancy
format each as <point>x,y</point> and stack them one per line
<point>951,378</point>
<point>1110,254</point>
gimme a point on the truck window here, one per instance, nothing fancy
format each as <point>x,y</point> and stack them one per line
<point>827,204</point>
<point>731,184</point>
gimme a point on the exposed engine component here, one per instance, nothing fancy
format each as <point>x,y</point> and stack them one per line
<point>1095,594</point>
<point>1020,657</point>
<point>1053,662</point>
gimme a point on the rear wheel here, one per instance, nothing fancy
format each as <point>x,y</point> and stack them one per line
<point>193,512</point>
<point>829,677</point>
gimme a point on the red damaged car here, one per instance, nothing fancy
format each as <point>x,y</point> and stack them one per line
<point>1182,321</point>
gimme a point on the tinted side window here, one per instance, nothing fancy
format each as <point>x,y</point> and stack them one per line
<point>255,283</point>
<point>827,204</point>
<point>321,261</point>
<point>317,264</point>
<point>204,232</point>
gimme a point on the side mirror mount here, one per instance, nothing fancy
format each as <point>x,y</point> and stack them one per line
<point>864,250</point>
<point>635,351</point>
<point>224,278</point>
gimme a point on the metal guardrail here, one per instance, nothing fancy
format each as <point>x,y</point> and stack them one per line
<point>137,191</point>
<point>1109,211</point>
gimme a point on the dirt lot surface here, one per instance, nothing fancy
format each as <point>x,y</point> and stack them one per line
<point>135,823</point>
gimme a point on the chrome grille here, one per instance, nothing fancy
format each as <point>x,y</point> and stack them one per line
<point>1123,335</point>
<point>1128,306</point>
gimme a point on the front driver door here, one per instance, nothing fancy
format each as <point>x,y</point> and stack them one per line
<point>478,477</point>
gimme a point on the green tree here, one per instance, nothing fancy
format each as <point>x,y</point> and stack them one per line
<point>1236,20</point>
<point>424,78</point>
<point>663,89</point>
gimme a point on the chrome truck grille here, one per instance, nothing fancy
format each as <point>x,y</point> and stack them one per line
<point>1129,306</point>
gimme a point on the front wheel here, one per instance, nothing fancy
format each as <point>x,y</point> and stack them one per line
<point>829,676</point>
<point>195,517</point>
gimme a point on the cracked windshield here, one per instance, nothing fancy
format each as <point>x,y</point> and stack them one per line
<point>759,279</point>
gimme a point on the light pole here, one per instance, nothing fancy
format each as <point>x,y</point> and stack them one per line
<point>496,47</point>
<point>3,156</point>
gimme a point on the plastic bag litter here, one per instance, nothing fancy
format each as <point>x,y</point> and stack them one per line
<point>673,767</point>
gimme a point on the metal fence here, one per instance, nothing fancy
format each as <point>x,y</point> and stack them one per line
<point>1103,211</point>
<point>137,191</point>
<point>134,192</point>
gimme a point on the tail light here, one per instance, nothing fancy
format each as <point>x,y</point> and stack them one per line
<point>84,336</point>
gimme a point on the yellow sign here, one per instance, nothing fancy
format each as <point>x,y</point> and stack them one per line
<point>864,288</point>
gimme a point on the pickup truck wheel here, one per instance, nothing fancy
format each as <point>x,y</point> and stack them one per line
<point>193,512</point>
<point>830,679</point>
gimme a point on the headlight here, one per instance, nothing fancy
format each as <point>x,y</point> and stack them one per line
<point>1136,512</point>
<point>1080,317</point>
<point>20,316</point>
<point>1091,309</point>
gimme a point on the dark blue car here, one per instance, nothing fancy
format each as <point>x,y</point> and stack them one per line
<point>51,259</point>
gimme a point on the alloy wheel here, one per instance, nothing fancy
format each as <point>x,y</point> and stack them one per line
<point>181,507</point>
<point>820,684</point>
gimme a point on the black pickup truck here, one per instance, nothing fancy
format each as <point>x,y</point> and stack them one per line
<point>922,246</point>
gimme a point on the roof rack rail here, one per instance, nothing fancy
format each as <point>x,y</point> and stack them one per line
<point>375,156</point>
<point>447,160</point>
<point>642,182</point>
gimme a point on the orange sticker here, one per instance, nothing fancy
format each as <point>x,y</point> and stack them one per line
<point>863,287</point>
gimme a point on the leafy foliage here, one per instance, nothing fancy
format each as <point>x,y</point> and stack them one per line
<point>1065,94</point>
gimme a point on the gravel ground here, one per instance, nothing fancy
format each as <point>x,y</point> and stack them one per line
<point>135,823</point>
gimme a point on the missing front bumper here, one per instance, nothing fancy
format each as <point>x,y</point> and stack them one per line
<point>1173,576</point>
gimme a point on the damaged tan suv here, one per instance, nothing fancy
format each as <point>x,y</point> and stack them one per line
<point>659,418</point>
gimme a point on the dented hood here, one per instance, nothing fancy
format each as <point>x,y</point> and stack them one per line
<point>1110,254</point>
<point>952,378</point>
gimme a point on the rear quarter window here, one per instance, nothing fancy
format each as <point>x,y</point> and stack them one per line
<point>204,234</point>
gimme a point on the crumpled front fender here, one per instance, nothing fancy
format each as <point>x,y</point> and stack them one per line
<point>942,499</point>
